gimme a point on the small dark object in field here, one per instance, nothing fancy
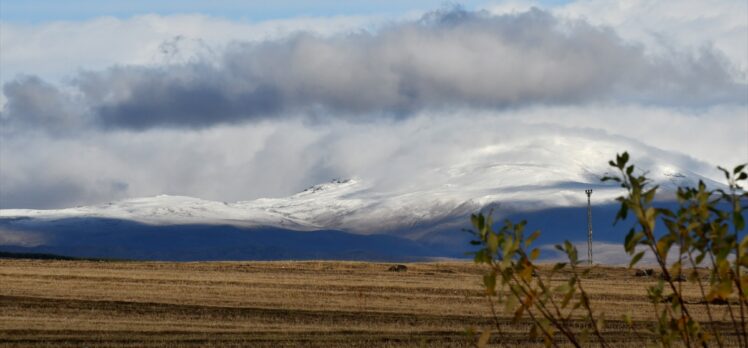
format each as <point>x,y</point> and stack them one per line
<point>398,268</point>
<point>535,273</point>
<point>678,278</point>
<point>644,272</point>
<point>718,301</point>
<point>667,299</point>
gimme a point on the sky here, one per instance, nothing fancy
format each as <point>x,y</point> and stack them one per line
<point>39,11</point>
<point>105,100</point>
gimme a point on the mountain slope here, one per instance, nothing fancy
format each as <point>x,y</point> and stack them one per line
<point>543,178</point>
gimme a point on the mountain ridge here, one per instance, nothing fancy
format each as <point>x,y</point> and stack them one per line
<point>426,213</point>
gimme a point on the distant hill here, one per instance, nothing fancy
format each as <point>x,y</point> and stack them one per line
<point>353,219</point>
<point>37,256</point>
<point>123,239</point>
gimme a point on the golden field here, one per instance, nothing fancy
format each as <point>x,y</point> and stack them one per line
<point>49,303</point>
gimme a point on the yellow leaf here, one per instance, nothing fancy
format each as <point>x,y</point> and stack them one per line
<point>484,337</point>
<point>662,248</point>
<point>724,289</point>
<point>675,269</point>
<point>534,254</point>
<point>493,242</point>
<point>526,273</point>
<point>650,217</point>
<point>721,290</point>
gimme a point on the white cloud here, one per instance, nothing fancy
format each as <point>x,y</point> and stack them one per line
<point>715,135</point>
<point>58,50</point>
<point>280,156</point>
<point>448,58</point>
<point>459,152</point>
<point>662,25</point>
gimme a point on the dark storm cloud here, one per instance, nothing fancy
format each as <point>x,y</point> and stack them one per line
<point>446,59</point>
<point>163,101</point>
<point>34,103</point>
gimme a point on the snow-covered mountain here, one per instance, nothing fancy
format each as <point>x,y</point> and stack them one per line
<point>354,205</point>
<point>537,181</point>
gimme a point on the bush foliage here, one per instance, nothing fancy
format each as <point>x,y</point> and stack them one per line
<point>702,242</point>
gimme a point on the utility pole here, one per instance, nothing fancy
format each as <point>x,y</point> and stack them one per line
<point>589,226</point>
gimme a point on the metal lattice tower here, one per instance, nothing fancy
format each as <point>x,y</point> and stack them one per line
<point>589,226</point>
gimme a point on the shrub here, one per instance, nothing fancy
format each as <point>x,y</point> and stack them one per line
<point>703,232</point>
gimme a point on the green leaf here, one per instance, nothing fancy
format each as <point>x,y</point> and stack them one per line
<point>567,297</point>
<point>627,319</point>
<point>562,289</point>
<point>738,169</point>
<point>492,242</point>
<point>636,259</point>
<point>627,240</point>
<point>477,221</point>
<point>738,221</point>
<point>622,213</point>
<point>632,240</point>
<point>699,258</point>
<point>511,303</point>
<point>649,195</point>
<point>624,158</point>
<point>663,246</point>
<point>675,269</point>
<point>489,281</point>
<point>727,174</point>
<point>481,256</point>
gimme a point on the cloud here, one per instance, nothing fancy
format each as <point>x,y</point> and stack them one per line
<point>35,103</point>
<point>715,135</point>
<point>20,238</point>
<point>103,42</point>
<point>447,59</point>
<point>456,154</point>
<point>195,97</point>
<point>664,25</point>
<point>230,110</point>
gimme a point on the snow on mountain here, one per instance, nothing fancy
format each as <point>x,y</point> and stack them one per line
<point>530,176</point>
<point>540,179</point>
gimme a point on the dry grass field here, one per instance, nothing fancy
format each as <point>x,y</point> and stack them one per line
<point>46,303</point>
